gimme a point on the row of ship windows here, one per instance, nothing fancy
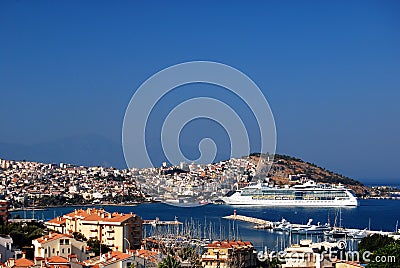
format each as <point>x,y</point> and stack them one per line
<point>292,198</point>
<point>292,195</point>
<point>315,200</point>
<point>285,192</point>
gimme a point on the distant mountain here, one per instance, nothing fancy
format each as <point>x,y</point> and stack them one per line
<point>82,150</point>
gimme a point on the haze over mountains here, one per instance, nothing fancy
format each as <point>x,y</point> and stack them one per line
<point>84,150</point>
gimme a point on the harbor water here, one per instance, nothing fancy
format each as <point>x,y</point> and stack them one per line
<point>379,215</point>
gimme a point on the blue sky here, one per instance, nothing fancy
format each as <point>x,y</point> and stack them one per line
<point>329,69</point>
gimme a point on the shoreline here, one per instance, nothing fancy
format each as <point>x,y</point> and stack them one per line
<point>42,208</point>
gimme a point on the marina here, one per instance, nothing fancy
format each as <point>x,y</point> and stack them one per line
<point>329,232</point>
<point>210,220</point>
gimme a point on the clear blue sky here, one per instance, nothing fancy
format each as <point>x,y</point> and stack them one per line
<point>329,69</point>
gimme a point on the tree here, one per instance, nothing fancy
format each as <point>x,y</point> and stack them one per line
<point>23,234</point>
<point>387,256</point>
<point>189,254</point>
<point>269,263</point>
<point>374,242</point>
<point>236,259</point>
<point>94,245</point>
<point>79,236</point>
<point>169,262</point>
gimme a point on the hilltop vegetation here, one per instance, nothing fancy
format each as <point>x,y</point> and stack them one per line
<point>285,165</point>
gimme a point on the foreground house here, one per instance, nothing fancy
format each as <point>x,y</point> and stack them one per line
<point>146,258</point>
<point>313,255</point>
<point>61,245</point>
<point>118,231</point>
<point>227,254</point>
<point>111,259</point>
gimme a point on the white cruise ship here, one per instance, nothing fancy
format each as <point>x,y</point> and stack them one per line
<point>308,194</point>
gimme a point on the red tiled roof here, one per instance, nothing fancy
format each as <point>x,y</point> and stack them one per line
<point>57,259</point>
<point>50,237</point>
<point>229,244</point>
<point>353,263</point>
<point>93,214</point>
<point>57,221</point>
<point>22,262</point>
<point>115,256</point>
<point>145,254</point>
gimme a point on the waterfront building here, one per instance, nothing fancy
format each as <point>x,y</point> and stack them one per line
<point>61,245</point>
<point>229,254</point>
<point>309,254</point>
<point>146,258</point>
<point>118,231</point>
<point>111,259</point>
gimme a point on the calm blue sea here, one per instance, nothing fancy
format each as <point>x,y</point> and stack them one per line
<point>381,214</point>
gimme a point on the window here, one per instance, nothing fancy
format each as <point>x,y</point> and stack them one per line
<point>69,250</point>
<point>63,251</point>
<point>67,241</point>
<point>45,251</point>
<point>128,264</point>
<point>54,250</point>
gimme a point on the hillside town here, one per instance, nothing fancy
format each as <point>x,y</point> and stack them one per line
<point>25,183</point>
<point>33,184</point>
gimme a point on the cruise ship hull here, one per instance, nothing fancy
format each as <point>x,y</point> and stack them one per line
<point>308,194</point>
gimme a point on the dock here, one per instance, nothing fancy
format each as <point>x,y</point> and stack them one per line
<point>260,223</point>
<point>308,228</point>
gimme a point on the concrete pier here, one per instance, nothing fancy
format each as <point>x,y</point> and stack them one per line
<point>263,224</point>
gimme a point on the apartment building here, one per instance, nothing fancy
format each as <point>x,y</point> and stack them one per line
<point>118,231</point>
<point>227,254</point>
<point>57,224</point>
